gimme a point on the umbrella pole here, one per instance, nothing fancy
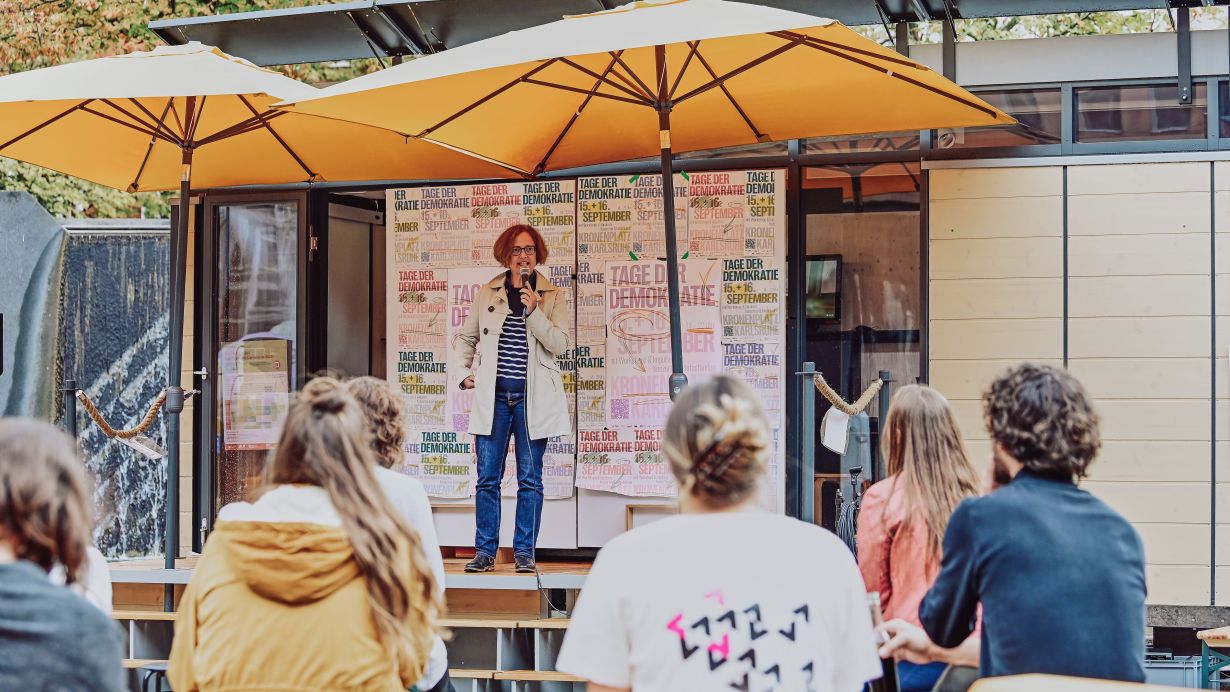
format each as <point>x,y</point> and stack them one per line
<point>175,392</point>
<point>678,380</point>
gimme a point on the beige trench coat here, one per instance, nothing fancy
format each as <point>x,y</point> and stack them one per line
<point>546,329</point>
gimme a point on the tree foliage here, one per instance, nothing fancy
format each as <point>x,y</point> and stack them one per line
<point>42,33</point>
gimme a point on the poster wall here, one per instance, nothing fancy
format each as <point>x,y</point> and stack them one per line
<point>732,230</point>
<point>607,251</point>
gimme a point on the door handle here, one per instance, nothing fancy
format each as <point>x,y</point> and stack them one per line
<point>203,373</point>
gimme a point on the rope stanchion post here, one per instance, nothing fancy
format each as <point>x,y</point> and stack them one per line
<point>70,407</point>
<point>886,396</point>
<point>807,472</point>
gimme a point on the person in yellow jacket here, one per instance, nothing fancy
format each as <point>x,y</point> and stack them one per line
<point>317,585</point>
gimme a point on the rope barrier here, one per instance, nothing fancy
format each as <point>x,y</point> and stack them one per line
<point>839,403</point>
<point>109,431</point>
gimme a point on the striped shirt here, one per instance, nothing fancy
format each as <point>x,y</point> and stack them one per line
<point>514,349</point>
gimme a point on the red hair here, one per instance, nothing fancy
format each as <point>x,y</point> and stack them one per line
<point>504,244</point>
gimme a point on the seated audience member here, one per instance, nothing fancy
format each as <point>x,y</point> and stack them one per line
<point>1060,575</point>
<point>317,585</point>
<point>382,406</point>
<point>902,520</point>
<point>723,596</point>
<point>50,638</point>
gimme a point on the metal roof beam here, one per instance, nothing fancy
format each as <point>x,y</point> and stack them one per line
<point>413,43</point>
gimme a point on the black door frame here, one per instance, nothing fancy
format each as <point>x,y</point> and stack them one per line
<point>205,339</point>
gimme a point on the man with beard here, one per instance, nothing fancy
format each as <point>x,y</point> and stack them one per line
<point>1059,575</point>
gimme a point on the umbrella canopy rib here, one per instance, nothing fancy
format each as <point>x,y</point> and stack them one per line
<point>739,70</point>
<point>139,122</point>
<point>138,128</point>
<point>160,121</point>
<point>196,120</point>
<point>693,46</point>
<point>852,49</point>
<point>898,75</point>
<point>265,123</point>
<point>571,121</point>
<point>587,92</point>
<point>487,98</point>
<point>136,180</point>
<point>45,123</point>
<point>631,72</point>
<point>630,90</point>
<point>760,136</point>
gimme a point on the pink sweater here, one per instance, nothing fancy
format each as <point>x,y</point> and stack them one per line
<point>892,552</point>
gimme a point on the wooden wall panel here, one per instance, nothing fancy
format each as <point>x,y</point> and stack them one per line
<point>1138,329</point>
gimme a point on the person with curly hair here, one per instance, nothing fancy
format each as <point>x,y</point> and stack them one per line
<point>1060,575</point>
<point>382,406</point>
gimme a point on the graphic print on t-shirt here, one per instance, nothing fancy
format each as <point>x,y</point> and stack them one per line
<point>748,649</point>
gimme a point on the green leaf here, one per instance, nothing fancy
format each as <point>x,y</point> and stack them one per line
<point>633,256</point>
<point>685,176</point>
<point>685,255</point>
<point>634,178</point>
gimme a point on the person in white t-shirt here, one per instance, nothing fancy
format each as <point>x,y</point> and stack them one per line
<point>723,596</point>
<point>382,406</point>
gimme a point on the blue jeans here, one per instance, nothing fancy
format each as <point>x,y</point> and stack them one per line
<point>914,677</point>
<point>510,418</point>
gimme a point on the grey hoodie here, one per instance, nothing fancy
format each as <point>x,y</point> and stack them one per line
<point>52,639</point>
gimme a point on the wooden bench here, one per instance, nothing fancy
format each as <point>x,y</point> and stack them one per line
<point>136,663</point>
<point>143,616</point>
<point>536,676</point>
<point>1212,662</point>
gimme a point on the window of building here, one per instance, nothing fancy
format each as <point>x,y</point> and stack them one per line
<point>1139,112</point>
<point>1039,114</point>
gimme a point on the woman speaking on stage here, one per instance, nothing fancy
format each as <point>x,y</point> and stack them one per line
<point>506,353</point>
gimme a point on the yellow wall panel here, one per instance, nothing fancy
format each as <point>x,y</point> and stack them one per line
<point>1158,502</point>
<point>1130,337</point>
<point>996,182</point>
<point>968,379</point>
<point>1135,178</point>
<point>990,258</point>
<point>968,413</point>
<point>996,339</point>
<point>1020,217</point>
<point>1160,419</point>
<point>1151,460</point>
<point>1124,214</point>
<point>1138,296</point>
<point>1144,378</point>
<point>1177,584</point>
<point>1139,255</point>
<point>996,298</point>
<point>1175,544</point>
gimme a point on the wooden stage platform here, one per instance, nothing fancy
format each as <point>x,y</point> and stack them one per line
<point>551,575</point>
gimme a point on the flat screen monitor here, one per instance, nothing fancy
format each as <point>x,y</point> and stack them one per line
<point>824,287</point>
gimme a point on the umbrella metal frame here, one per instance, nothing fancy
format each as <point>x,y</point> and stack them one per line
<point>632,89</point>
<point>159,128</point>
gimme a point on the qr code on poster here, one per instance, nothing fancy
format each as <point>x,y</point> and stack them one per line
<point>620,409</point>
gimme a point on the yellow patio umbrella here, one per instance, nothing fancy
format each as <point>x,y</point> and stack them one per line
<point>651,78</point>
<point>179,116</point>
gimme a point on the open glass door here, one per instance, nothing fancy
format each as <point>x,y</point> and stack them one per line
<point>256,249</point>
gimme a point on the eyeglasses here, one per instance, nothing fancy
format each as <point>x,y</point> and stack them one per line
<point>527,250</point>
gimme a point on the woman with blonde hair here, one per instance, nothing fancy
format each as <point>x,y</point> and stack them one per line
<point>724,595</point>
<point>902,520</point>
<point>317,585</point>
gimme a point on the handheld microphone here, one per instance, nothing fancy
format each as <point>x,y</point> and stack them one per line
<point>525,272</point>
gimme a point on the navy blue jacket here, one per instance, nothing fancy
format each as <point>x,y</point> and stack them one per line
<point>1061,579</point>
